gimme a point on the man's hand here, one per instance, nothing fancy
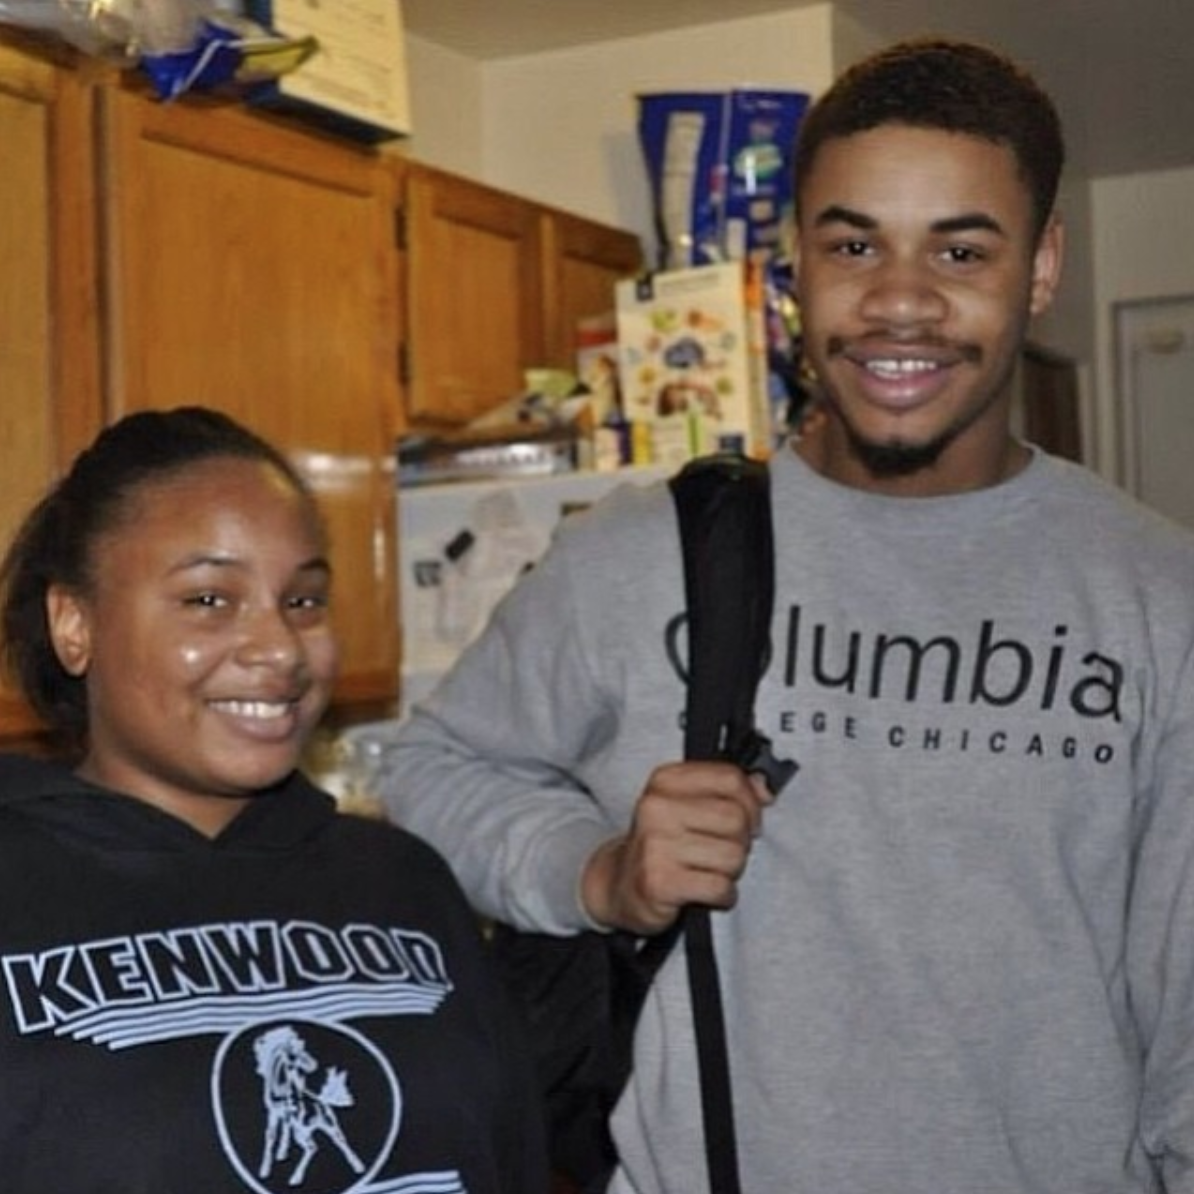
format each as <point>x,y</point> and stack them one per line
<point>688,844</point>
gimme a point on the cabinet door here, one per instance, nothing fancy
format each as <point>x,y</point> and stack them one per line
<point>252,267</point>
<point>582,262</point>
<point>49,356</point>
<point>473,295</point>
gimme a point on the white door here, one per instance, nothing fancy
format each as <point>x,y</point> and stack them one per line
<point>1156,343</point>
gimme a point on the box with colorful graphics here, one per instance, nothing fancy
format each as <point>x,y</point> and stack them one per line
<point>691,359</point>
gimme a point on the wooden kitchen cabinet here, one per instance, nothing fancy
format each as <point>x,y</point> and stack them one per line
<point>582,262</point>
<point>49,353</point>
<point>473,292</point>
<point>494,286</point>
<point>253,267</point>
<point>157,254</point>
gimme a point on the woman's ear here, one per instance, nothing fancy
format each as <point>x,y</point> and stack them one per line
<point>70,629</point>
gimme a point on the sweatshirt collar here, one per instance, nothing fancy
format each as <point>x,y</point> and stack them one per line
<point>279,818</point>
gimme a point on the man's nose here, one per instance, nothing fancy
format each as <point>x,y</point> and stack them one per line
<point>904,293</point>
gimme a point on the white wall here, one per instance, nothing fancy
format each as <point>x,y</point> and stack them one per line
<point>561,127</point>
<point>1143,247</point>
<point>852,40</point>
<point>445,108</point>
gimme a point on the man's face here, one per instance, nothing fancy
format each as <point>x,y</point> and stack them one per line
<point>918,270</point>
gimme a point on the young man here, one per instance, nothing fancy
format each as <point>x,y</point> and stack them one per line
<point>958,951</point>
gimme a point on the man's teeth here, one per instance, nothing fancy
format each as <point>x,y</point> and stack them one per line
<point>900,367</point>
<point>264,710</point>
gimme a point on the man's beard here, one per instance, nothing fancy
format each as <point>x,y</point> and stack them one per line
<point>896,459</point>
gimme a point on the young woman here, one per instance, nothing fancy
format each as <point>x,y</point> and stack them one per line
<point>209,979</point>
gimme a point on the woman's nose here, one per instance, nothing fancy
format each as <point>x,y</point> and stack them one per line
<point>269,638</point>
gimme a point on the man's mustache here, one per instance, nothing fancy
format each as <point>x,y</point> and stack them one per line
<point>971,354</point>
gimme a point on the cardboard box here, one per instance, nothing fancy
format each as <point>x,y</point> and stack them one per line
<point>691,360</point>
<point>356,83</point>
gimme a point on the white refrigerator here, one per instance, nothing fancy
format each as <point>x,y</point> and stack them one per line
<point>463,544</point>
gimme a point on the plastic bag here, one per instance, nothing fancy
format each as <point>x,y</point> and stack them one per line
<point>182,45</point>
<point>226,53</point>
<point>122,29</point>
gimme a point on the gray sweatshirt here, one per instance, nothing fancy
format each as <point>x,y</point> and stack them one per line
<point>963,954</point>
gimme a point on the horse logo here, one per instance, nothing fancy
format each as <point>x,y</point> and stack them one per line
<point>295,1115</point>
<point>304,1136</point>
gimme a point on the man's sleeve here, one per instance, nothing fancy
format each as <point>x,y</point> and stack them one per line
<point>485,769</point>
<point>1160,955</point>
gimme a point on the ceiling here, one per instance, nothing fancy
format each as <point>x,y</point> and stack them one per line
<point>1121,71</point>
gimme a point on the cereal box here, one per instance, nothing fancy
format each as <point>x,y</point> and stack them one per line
<point>691,360</point>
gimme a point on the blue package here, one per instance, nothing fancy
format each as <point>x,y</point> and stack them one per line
<point>759,207</point>
<point>681,134</point>
<point>719,168</point>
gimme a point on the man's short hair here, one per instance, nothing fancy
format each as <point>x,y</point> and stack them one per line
<point>954,86</point>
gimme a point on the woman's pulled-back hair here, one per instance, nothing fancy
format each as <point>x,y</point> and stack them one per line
<point>55,543</point>
<point>952,86</point>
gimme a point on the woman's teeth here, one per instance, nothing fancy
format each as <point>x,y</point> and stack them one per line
<point>263,710</point>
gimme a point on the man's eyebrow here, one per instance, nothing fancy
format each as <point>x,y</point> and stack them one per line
<point>971,221</point>
<point>835,213</point>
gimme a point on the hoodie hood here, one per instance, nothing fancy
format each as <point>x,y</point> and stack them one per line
<point>277,819</point>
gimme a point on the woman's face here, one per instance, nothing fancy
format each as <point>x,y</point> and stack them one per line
<point>204,641</point>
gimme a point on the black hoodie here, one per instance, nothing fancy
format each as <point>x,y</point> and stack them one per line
<point>300,1004</point>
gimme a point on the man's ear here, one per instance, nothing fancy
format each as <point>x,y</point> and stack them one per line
<point>794,257</point>
<point>1046,264</point>
<point>70,629</point>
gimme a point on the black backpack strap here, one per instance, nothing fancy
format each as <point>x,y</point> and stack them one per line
<point>724,509</point>
<point>723,504</point>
